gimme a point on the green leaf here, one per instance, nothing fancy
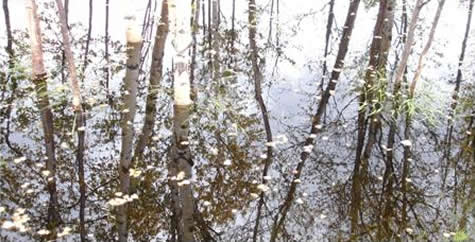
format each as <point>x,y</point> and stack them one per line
<point>460,236</point>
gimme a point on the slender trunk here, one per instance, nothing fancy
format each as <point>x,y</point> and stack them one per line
<point>330,20</point>
<point>370,104</point>
<point>458,81</point>
<point>408,122</point>
<point>39,77</point>
<point>81,122</point>
<point>106,57</point>
<point>277,34</point>
<point>6,12</point>
<point>271,23</point>
<point>329,91</point>
<point>396,102</point>
<point>4,78</point>
<point>69,57</point>
<point>154,82</point>
<point>203,20</point>
<point>63,54</point>
<point>88,40</point>
<point>389,176</point>
<point>134,42</point>
<point>80,115</point>
<point>195,28</point>
<point>180,153</point>
<point>216,39</point>
<point>469,178</point>
<point>258,78</point>
<point>233,31</point>
<point>210,38</point>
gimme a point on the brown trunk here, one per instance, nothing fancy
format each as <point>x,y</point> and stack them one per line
<point>106,57</point>
<point>330,21</point>
<point>458,81</point>
<point>88,40</point>
<point>80,116</point>
<point>39,77</point>
<point>6,12</point>
<point>258,77</point>
<point>337,68</point>
<point>396,102</point>
<point>154,83</point>
<point>368,109</point>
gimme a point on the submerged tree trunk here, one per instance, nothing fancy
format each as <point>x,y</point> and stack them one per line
<point>458,81</point>
<point>216,40</point>
<point>258,77</point>
<point>330,21</point>
<point>39,77</point>
<point>78,110</point>
<point>370,104</point>
<point>134,42</point>
<point>6,12</point>
<point>88,40</point>
<point>396,99</point>
<point>316,127</point>
<point>180,154</point>
<point>106,51</point>
<point>195,30</point>
<point>154,82</point>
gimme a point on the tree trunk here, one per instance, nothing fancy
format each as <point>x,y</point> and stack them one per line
<point>258,77</point>
<point>39,77</point>
<point>134,42</point>
<point>195,31</point>
<point>216,40</point>
<point>80,115</point>
<point>458,81</point>
<point>88,40</point>
<point>369,110</point>
<point>396,96</point>
<point>6,12</point>
<point>330,21</point>
<point>330,89</point>
<point>180,153</point>
<point>106,51</point>
<point>154,82</point>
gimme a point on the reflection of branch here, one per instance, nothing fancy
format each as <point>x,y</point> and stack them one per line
<point>204,227</point>
<point>93,190</point>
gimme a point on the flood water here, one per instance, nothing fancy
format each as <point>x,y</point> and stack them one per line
<point>262,167</point>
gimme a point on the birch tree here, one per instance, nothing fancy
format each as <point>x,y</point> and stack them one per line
<point>181,160</point>
<point>134,42</point>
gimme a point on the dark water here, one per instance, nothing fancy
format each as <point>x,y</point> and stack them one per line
<point>302,186</point>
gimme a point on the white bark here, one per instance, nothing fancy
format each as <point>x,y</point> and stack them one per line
<point>134,41</point>
<point>180,14</point>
